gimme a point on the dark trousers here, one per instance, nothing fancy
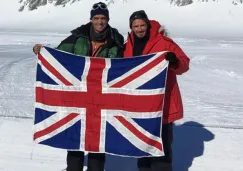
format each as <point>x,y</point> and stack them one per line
<point>163,163</point>
<point>75,161</point>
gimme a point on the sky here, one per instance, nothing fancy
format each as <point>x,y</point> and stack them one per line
<point>211,19</point>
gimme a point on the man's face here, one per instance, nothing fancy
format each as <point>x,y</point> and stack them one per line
<point>99,22</point>
<point>139,27</point>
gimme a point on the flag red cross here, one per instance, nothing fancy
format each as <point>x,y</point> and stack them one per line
<point>93,100</point>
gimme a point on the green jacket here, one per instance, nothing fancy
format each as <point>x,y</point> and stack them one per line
<point>79,43</point>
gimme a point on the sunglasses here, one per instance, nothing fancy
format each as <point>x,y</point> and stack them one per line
<point>102,6</point>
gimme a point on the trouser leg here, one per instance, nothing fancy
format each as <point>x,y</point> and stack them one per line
<point>75,161</point>
<point>143,164</point>
<point>164,163</point>
<point>96,161</point>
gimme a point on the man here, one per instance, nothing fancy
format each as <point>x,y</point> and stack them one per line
<point>146,37</point>
<point>96,39</point>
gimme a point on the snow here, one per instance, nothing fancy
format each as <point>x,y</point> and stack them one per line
<point>196,149</point>
<point>210,136</point>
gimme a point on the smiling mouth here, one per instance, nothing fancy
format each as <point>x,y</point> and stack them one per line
<point>100,27</point>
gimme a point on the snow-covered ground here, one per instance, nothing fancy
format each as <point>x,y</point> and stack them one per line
<point>211,92</point>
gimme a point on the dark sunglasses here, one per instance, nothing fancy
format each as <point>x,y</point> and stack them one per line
<point>102,6</point>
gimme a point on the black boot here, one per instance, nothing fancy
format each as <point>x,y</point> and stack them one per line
<point>75,161</point>
<point>96,161</point>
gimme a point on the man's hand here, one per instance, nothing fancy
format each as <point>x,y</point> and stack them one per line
<point>171,57</point>
<point>36,48</point>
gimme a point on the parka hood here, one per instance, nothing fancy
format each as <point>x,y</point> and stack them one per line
<point>155,29</point>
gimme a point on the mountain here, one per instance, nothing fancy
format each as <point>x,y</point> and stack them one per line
<point>204,18</point>
<point>34,4</point>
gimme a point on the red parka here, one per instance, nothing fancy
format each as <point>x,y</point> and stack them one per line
<point>173,108</point>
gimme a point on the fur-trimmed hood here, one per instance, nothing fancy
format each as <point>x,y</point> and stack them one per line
<point>157,28</point>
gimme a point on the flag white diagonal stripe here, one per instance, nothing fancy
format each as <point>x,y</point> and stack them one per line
<point>127,74</point>
<point>134,139</point>
<point>147,76</point>
<point>63,71</point>
<point>53,120</point>
<point>50,120</point>
<point>146,133</point>
<point>52,76</point>
<point>80,111</point>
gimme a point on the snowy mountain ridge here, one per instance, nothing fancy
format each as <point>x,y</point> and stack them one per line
<point>204,18</point>
<point>33,4</point>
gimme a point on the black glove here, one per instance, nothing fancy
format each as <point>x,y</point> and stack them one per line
<point>171,57</point>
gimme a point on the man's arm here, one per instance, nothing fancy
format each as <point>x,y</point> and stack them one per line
<point>67,44</point>
<point>182,64</point>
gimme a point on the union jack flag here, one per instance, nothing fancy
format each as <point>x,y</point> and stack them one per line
<point>99,104</point>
